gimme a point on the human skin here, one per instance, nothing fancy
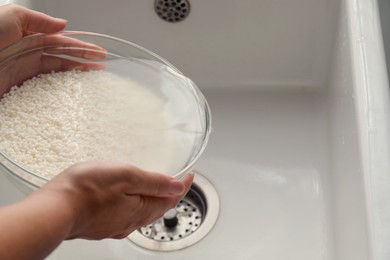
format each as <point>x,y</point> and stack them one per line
<point>92,200</point>
<point>17,22</point>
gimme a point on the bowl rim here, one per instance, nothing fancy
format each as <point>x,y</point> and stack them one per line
<point>6,159</point>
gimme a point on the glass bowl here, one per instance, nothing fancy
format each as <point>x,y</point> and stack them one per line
<point>175,143</point>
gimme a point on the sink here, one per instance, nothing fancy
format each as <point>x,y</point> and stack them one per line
<point>299,92</point>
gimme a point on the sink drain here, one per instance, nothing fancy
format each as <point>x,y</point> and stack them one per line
<point>172,10</point>
<point>179,222</point>
<point>185,224</point>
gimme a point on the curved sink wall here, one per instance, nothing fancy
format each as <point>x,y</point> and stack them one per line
<point>300,101</point>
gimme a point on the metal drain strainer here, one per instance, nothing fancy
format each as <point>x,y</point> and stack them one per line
<point>177,223</point>
<point>185,224</point>
<point>172,10</point>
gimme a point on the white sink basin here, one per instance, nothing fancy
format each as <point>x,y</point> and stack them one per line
<point>384,10</point>
<point>300,154</point>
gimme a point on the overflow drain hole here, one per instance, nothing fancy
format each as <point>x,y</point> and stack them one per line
<point>172,10</point>
<point>184,225</point>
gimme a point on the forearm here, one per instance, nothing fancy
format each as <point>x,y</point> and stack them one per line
<point>93,200</point>
<point>34,227</point>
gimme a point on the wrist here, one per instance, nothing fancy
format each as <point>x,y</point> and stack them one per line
<point>57,208</point>
<point>45,215</point>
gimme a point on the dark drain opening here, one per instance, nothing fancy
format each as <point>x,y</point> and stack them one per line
<point>172,10</point>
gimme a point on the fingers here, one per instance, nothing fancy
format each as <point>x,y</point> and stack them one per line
<point>78,53</point>
<point>34,64</point>
<point>92,187</point>
<point>33,21</point>
<point>154,208</point>
<point>157,185</point>
<point>52,63</point>
<point>188,179</point>
<point>133,180</point>
<point>60,44</point>
<point>57,44</point>
<point>17,21</point>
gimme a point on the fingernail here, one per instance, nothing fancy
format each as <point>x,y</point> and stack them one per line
<point>176,187</point>
<point>94,55</point>
<point>61,20</point>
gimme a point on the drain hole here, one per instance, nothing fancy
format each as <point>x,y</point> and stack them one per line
<point>184,225</point>
<point>172,10</point>
<point>178,222</point>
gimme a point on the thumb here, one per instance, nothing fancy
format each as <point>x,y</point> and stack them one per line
<point>159,185</point>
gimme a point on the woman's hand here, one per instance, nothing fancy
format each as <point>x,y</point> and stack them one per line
<point>16,22</point>
<point>111,200</point>
<point>93,200</point>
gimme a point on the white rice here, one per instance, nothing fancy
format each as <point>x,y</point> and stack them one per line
<point>55,120</point>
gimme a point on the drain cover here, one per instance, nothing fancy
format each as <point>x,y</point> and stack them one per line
<point>185,224</point>
<point>177,223</point>
<point>172,10</point>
